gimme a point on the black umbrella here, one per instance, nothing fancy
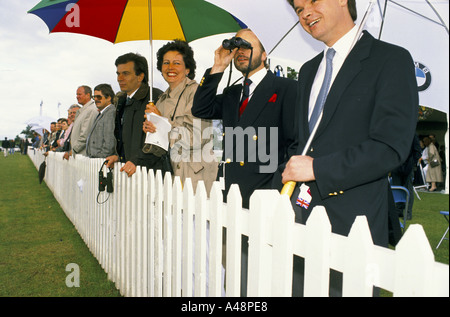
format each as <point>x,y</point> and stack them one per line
<point>42,171</point>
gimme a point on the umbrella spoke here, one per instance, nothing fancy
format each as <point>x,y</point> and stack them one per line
<point>421,15</point>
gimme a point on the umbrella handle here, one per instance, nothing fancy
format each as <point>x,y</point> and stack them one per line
<point>150,37</point>
<point>289,187</point>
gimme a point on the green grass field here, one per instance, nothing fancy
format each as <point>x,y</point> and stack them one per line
<point>37,241</point>
<point>426,213</point>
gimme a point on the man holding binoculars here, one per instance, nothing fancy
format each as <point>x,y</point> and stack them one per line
<point>257,118</point>
<point>263,105</point>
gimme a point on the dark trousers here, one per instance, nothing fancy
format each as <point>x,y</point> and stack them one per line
<point>298,280</point>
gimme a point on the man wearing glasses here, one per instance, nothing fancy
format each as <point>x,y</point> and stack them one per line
<point>101,142</point>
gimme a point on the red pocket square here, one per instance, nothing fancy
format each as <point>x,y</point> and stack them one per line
<point>273,98</point>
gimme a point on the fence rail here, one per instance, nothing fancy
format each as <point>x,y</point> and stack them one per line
<point>154,237</point>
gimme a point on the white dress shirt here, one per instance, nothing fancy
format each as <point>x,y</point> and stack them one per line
<point>342,48</point>
<point>256,78</point>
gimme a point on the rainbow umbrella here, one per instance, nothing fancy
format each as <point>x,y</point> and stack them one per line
<point>132,20</point>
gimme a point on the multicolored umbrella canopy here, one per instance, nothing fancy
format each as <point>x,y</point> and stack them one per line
<point>128,20</point>
<point>133,20</point>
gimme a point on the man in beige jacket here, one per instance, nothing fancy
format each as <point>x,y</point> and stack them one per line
<point>83,121</point>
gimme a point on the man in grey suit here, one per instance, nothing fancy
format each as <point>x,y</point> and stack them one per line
<point>101,142</point>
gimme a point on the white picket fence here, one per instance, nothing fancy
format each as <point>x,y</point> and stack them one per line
<point>154,237</point>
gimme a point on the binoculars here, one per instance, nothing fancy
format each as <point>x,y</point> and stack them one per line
<point>105,182</point>
<point>236,42</point>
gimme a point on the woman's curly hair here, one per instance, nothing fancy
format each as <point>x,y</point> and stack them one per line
<point>184,49</point>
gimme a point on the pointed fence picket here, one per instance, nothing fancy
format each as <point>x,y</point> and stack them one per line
<point>154,237</point>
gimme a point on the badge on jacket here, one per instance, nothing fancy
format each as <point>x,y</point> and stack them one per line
<point>304,197</point>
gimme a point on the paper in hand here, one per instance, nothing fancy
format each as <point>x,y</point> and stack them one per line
<point>161,136</point>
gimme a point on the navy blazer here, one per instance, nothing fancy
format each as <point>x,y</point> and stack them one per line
<point>367,128</point>
<point>256,143</point>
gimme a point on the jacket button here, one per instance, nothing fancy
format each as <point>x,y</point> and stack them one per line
<point>242,163</point>
<point>228,160</point>
<point>255,137</point>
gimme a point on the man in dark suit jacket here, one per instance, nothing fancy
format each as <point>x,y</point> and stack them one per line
<point>369,120</point>
<point>132,76</point>
<point>253,127</point>
<point>255,140</point>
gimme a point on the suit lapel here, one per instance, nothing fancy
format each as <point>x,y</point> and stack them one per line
<point>258,101</point>
<point>234,96</point>
<point>306,81</point>
<point>100,115</point>
<point>350,68</point>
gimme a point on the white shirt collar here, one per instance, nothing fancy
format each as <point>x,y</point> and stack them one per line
<point>256,78</point>
<point>344,45</point>
<point>132,94</point>
<point>103,110</point>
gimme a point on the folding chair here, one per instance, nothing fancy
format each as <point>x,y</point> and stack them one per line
<point>415,190</point>
<point>445,214</point>
<point>401,195</point>
<point>425,184</point>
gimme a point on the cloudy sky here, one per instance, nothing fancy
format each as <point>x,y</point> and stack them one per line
<point>37,66</point>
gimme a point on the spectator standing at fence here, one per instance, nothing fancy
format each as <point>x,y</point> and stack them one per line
<point>132,76</point>
<point>268,103</point>
<point>64,126</point>
<point>50,137</point>
<point>369,120</point>
<point>434,171</point>
<point>64,140</point>
<point>45,139</point>
<point>191,152</point>
<point>261,103</point>
<point>52,132</point>
<point>71,114</point>
<point>5,146</point>
<point>57,134</point>
<point>101,142</point>
<point>83,120</point>
<point>36,140</point>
